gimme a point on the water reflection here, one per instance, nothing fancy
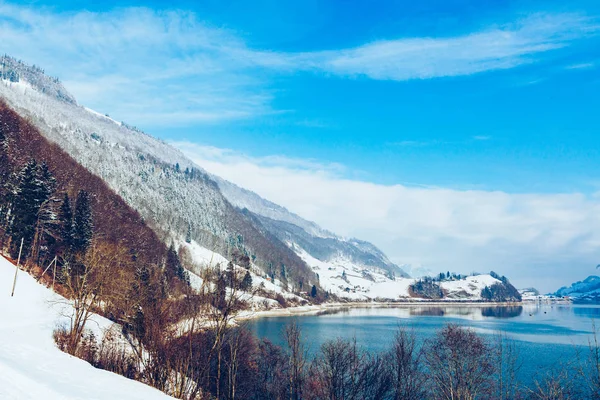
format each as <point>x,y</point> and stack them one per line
<point>472,312</point>
<point>502,311</point>
<point>587,312</point>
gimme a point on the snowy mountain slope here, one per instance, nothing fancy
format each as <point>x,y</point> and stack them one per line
<point>586,291</point>
<point>32,367</point>
<point>344,279</point>
<point>320,243</point>
<point>175,197</point>
<point>14,71</point>
<point>243,198</point>
<point>589,284</point>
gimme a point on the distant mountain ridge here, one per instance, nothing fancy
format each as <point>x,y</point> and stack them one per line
<point>296,231</point>
<point>586,291</point>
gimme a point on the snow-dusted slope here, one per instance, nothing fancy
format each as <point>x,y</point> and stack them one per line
<point>306,235</point>
<point>344,279</point>
<point>243,198</point>
<point>586,291</point>
<point>32,367</point>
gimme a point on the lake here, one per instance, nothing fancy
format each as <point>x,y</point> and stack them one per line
<point>547,335</point>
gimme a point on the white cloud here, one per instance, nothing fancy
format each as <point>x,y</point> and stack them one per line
<point>542,240</point>
<point>423,58</point>
<point>581,66</point>
<point>162,68</point>
<point>170,67</point>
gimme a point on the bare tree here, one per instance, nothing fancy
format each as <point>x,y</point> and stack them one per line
<point>297,359</point>
<point>406,366</point>
<point>588,367</point>
<point>460,364</point>
<point>508,366</point>
<point>89,283</point>
<point>273,372</point>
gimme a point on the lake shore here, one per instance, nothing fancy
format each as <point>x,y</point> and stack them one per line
<point>332,307</point>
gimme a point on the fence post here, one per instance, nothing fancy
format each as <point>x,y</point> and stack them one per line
<point>54,274</point>
<point>17,270</point>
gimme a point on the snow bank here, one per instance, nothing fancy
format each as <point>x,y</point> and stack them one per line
<point>32,367</point>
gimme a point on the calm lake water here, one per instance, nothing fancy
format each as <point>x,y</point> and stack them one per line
<point>546,335</point>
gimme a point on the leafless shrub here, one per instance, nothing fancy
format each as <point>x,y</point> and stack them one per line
<point>588,368</point>
<point>555,385</point>
<point>508,366</point>
<point>460,364</point>
<point>405,360</point>
<point>343,371</point>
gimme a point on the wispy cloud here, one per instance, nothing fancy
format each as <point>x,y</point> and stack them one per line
<point>543,240</point>
<point>482,137</point>
<point>422,58</point>
<point>162,68</point>
<point>170,67</point>
<point>588,65</point>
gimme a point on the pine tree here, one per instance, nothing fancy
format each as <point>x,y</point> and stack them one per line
<point>34,187</point>
<point>5,173</point>
<point>188,235</point>
<point>66,223</point>
<point>83,227</point>
<point>313,291</point>
<point>246,282</point>
<point>173,267</point>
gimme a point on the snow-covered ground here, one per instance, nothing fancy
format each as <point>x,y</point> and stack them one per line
<point>348,280</point>
<point>204,258</point>
<point>32,367</point>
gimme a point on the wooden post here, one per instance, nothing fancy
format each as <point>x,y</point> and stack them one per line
<point>54,274</point>
<point>46,270</point>
<point>17,270</point>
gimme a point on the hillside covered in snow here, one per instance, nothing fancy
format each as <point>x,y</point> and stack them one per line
<point>586,291</point>
<point>32,367</point>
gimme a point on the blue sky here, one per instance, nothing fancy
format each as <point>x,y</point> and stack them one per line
<point>497,97</point>
<point>536,116</point>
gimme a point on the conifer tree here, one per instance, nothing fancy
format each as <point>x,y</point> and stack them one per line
<point>66,223</point>
<point>34,187</point>
<point>173,267</point>
<point>188,235</point>
<point>5,172</point>
<point>313,291</point>
<point>83,227</point>
<point>246,284</point>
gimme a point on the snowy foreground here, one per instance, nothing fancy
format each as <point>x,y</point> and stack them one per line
<point>32,367</point>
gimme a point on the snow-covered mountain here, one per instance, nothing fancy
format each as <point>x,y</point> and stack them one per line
<point>177,198</point>
<point>306,235</point>
<point>586,291</point>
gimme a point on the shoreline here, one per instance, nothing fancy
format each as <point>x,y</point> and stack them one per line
<point>329,307</point>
